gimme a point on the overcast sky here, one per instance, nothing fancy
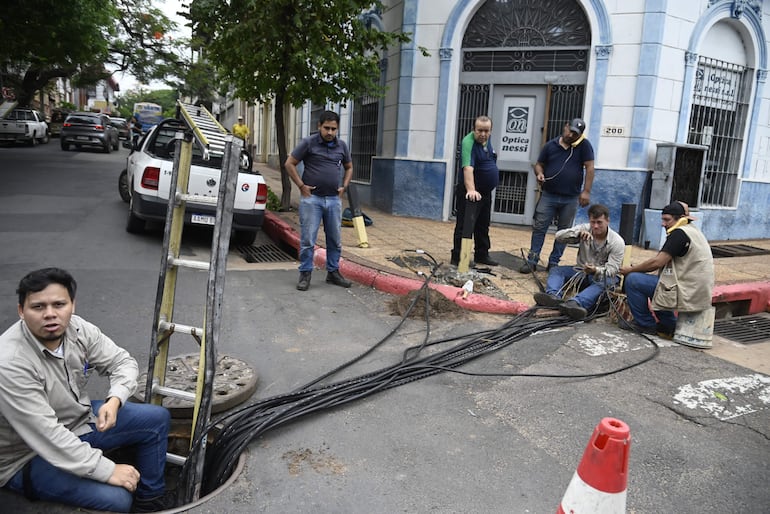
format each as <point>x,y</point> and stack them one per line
<point>169,8</point>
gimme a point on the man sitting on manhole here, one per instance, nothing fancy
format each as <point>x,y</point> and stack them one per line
<point>53,434</point>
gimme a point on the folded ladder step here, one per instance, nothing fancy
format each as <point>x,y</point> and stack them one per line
<point>173,393</point>
<point>178,328</point>
<point>188,263</point>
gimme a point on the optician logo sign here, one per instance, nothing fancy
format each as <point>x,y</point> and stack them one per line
<point>516,122</point>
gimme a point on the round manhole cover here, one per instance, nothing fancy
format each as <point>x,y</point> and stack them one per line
<point>234,383</point>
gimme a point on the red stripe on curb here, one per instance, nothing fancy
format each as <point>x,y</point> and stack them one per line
<point>276,228</point>
<point>758,294</point>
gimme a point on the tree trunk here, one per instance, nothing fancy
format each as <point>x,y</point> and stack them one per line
<point>280,136</point>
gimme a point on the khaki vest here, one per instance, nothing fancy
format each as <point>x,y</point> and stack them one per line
<point>686,283</point>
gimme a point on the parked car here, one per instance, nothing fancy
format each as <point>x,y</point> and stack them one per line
<point>146,182</point>
<point>57,120</point>
<point>121,125</point>
<point>24,126</point>
<point>89,129</point>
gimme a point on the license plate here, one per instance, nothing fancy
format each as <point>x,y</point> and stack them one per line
<point>82,138</point>
<point>203,219</point>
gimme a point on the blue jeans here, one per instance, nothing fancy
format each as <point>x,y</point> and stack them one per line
<point>143,426</point>
<point>590,292</point>
<point>551,206</point>
<point>639,290</point>
<point>312,210</point>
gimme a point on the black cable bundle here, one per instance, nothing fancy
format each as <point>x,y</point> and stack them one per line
<point>239,427</point>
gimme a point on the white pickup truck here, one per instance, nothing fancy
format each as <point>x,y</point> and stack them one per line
<point>24,126</point>
<point>146,181</point>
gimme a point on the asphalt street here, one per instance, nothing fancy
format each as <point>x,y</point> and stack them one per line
<point>450,443</point>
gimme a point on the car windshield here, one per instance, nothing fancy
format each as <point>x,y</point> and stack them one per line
<point>57,117</point>
<point>118,123</point>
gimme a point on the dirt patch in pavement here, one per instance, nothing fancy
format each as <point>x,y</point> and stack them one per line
<point>439,305</point>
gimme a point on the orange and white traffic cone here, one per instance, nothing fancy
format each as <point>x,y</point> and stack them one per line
<point>599,484</point>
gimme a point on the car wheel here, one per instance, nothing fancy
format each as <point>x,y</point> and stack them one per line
<point>116,146</point>
<point>123,186</point>
<point>244,237</point>
<point>108,147</point>
<point>134,225</point>
<point>65,146</point>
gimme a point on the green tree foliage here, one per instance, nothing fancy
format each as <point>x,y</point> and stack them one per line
<point>293,51</point>
<point>45,39</point>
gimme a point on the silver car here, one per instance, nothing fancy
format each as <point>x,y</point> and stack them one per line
<point>89,129</point>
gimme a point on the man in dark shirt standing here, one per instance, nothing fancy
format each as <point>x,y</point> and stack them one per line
<point>478,179</point>
<point>559,172</point>
<point>327,174</point>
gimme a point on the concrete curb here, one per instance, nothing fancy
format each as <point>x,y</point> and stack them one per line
<point>756,293</point>
<point>383,281</point>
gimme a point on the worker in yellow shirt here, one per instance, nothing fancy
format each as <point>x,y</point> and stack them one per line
<point>240,129</point>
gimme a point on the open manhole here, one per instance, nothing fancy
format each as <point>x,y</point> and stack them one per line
<point>744,329</point>
<point>269,252</point>
<point>736,250</point>
<point>234,383</point>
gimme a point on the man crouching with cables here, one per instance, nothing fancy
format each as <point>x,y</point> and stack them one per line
<point>599,258</point>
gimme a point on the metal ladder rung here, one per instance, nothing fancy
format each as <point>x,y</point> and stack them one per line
<point>188,263</point>
<point>165,326</point>
<point>173,393</point>
<point>205,200</point>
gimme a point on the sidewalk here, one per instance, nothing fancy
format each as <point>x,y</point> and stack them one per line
<point>391,237</point>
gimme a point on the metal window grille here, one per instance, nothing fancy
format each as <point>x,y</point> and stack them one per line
<point>315,113</point>
<point>565,102</point>
<point>511,193</point>
<point>717,121</point>
<point>363,137</point>
<point>527,35</point>
<point>575,59</point>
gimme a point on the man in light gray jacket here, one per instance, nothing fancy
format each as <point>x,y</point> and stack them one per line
<point>600,256</point>
<point>52,435</point>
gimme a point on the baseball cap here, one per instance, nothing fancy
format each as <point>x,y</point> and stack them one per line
<point>578,126</point>
<point>675,209</point>
<point>240,117</point>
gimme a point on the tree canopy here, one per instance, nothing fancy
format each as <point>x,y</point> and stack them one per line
<point>293,51</point>
<point>79,39</point>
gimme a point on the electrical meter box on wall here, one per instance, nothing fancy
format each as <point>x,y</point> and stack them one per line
<point>678,174</point>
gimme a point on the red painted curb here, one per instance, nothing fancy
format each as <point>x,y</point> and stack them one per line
<point>276,228</point>
<point>757,293</point>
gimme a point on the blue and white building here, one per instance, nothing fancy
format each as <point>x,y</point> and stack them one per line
<point>673,93</point>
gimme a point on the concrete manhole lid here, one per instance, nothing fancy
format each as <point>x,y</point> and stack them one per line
<point>234,383</point>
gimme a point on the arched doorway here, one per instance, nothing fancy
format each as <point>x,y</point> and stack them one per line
<point>525,64</point>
